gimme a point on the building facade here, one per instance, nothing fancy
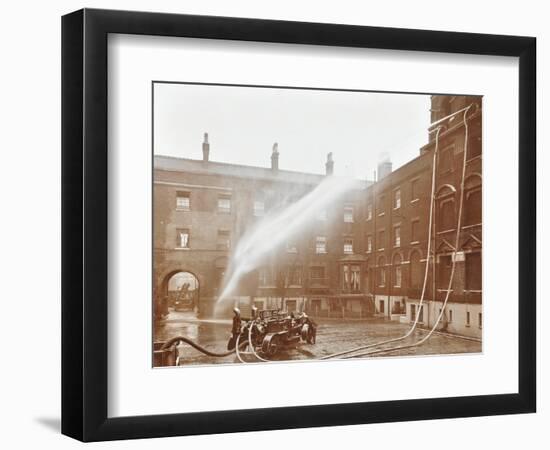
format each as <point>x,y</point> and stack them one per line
<point>397,227</point>
<point>364,256</point>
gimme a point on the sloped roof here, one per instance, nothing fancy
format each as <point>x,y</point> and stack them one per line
<point>171,163</point>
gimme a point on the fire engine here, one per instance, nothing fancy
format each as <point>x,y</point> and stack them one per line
<point>271,330</point>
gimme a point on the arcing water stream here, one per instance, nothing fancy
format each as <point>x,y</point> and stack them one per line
<point>275,229</point>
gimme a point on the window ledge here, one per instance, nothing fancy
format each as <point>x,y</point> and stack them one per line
<point>416,200</point>
<point>415,242</point>
<point>182,248</point>
<point>183,209</point>
<point>465,227</point>
<point>381,214</point>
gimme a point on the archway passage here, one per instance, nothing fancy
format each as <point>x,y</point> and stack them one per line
<point>182,292</point>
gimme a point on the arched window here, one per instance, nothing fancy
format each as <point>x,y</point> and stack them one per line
<point>381,272</point>
<point>397,271</point>
<point>472,200</point>
<point>416,270</point>
<point>445,198</point>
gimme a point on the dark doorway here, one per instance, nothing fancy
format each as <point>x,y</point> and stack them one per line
<point>182,292</point>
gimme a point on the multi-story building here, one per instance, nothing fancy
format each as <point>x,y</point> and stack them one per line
<point>397,227</point>
<point>202,208</point>
<point>365,255</point>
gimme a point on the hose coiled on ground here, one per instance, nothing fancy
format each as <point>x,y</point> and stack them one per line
<point>198,347</point>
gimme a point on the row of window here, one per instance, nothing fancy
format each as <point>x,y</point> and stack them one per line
<point>417,310</point>
<point>292,276</point>
<point>183,239</point>
<point>446,158</point>
<point>396,200</point>
<point>396,236</point>
<point>350,274</point>
<point>183,198</point>
<point>446,202</point>
<point>183,203</point>
<point>473,272</point>
<point>445,210</point>
<point>224,241</point>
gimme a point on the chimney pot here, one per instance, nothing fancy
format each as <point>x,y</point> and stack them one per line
<point>329,165</point>
<point>275,157</point>
<point>384,169</point>
<point>205,148</point>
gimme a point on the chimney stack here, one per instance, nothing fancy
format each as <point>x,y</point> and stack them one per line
<point>384,169</point>
<point>329,165</point>
<point>205,149</point>
<point>275,157</point>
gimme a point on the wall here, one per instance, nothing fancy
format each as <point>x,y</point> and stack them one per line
<point>30,194</point>
<point>203,182</point>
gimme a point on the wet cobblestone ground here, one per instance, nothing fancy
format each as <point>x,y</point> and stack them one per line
<point>333,336</point>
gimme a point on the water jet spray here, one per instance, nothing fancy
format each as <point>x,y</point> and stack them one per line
<point>275,229</point>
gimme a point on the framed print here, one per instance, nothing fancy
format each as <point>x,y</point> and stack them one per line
<point>273,224</point>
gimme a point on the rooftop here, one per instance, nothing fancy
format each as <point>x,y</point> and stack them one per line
<point>173,164</point>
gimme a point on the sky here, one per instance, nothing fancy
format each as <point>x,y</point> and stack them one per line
<point>243,123</point>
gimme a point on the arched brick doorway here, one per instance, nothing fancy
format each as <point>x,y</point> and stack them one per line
<point>178,291</point>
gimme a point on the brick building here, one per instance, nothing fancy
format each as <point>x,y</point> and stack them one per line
<point>397,227</point>
<point>201,208</point>
<point>365,255</point>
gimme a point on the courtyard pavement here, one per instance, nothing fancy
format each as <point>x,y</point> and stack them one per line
<point>333,336</point>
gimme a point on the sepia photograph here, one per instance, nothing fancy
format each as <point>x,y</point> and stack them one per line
<point>282,222</point>
<point>309,224</point>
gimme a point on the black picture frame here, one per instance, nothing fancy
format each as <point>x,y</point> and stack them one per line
<point>84,224</point>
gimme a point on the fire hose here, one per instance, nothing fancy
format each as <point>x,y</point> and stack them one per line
<point>453,261</point>
<point>352,353</point>
<point>237,350</point>
<point>200,348</point>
